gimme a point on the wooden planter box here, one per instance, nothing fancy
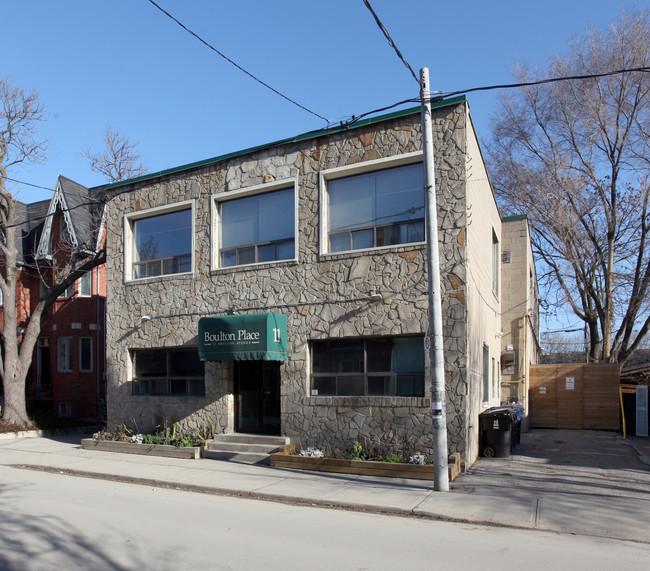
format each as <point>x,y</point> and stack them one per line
<point>363,467</point>
<point>186,452</point>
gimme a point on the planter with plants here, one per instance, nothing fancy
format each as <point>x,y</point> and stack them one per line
<point>165,442</point>
<point>357,461</point>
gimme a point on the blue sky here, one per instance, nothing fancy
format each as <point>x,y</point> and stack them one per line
<point>123,63</point>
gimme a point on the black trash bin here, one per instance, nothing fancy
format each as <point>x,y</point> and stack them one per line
<point>519,416</point>
<point>496,432</point>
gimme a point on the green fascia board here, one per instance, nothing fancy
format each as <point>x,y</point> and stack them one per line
<point>250,337</point>
<point>297,139</point>
<point>514,217</point>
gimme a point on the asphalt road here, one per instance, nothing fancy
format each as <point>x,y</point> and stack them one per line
<point>53,521</point>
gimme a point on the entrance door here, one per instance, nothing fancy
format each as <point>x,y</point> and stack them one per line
<point>257,397</point>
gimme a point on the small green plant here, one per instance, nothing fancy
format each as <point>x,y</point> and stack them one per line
<point>394,458</point>
<point>357,452</point>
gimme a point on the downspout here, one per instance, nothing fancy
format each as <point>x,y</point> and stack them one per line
<point>98,331</point>
<point>525,366</point>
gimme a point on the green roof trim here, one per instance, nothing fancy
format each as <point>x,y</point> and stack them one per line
<point>297,139</point>
<point>514,217</point>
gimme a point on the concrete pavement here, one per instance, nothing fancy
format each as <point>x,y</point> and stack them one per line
<point>581,482</point>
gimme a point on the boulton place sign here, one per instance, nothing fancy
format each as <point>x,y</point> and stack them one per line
<point>256,337</point>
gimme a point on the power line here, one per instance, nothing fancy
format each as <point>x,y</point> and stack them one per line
<point>29,184</point>
<point>441,95</point>
<point>549,80</point>
<point>240,68</point>
<point>390,40</point>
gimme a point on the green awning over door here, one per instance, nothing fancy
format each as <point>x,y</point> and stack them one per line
<point>255,337</point>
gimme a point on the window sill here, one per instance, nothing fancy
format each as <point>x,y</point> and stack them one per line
<point>396,248</point>
<point>151,279</point>
<point>254,267</point>
<point>383,401</point>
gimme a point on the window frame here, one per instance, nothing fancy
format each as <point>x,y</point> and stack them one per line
<point>138,382</point>
<point>327,175</point>
<point>86,276</point>
<point>90,354</point>
<point>218,199</point>
<point>367,374</point>
<point>129,237</point>
<point>68,358</point>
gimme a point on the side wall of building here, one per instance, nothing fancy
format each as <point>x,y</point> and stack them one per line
<point>520,310</point>
<point>483,288</point>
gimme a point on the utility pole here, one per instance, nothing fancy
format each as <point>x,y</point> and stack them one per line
<point>437,362</point>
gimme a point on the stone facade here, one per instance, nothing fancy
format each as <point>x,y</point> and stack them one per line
<point>324,295</point>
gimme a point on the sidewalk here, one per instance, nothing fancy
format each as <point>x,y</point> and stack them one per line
<point>582,482</point>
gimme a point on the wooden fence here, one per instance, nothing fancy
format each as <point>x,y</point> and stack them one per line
<point>575,396</point>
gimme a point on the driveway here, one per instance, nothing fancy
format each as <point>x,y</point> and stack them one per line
<point>565,461</point>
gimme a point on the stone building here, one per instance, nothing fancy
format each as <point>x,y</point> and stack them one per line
<point>282,289</point>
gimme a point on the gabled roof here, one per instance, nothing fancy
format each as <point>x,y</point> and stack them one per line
<point>30,220</point>
<point>82,210</point>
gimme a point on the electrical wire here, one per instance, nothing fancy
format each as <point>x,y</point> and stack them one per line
<point>36,218</point>
<point>442,95</point>
<point>390,40</point>
<point>549,80</point>
<point>30,184</point>
<point>240,68</point>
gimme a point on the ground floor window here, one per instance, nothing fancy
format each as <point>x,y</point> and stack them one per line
<point>168,372</point>
<point>64,349</point>
<point>382,366</point>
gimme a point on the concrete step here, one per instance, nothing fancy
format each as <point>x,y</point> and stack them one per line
<point>245,448</point>
<point>255,448</point>
<point>252,439</point>
<point>241,457</point>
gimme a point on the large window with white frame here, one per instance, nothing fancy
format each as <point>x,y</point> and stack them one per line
<point>373,205</point>
<point>256,225</point>
<point>159,241</point>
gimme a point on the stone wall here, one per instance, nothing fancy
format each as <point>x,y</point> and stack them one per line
<point>323,296</point>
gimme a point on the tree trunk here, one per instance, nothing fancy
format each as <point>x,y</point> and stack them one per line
<point>15,407</point>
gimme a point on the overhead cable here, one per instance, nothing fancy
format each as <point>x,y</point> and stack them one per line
<point>240,68</point>
<point>440,95</point>
<point>390,40</point>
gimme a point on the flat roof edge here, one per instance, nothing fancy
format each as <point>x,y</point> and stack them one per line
<point>296,139</point>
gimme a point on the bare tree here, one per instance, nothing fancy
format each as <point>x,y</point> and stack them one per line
<point>119,160</point>
<point>575,156</point>
<point>20,113</point>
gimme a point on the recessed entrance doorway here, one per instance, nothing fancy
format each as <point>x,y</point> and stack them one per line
<point>257,397</point>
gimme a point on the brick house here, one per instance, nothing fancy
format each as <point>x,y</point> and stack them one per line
<point>282,289</point>
<point>67,374</point>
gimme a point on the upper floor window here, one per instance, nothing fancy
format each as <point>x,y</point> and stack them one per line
<point>85,284</point>
<point>373,208</point>
<point>256,225</point>
<point>159,242</point>
<point>64,233</point>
